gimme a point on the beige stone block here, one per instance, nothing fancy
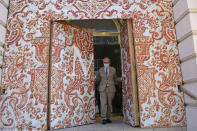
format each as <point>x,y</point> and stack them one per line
<point>195,42</point>
<point>183,27</point>
<point>189,100</point>
<point>186,48</point>
<point>191,116</point>
<point>3,14</point>
<point>169,129</point>
<point>192,3</point>
<point>189,70</point>
<point>2,35</point>
<point>179,8</point>
<point>191,88</point>
<point>193,19</point>
<point>5,3</point>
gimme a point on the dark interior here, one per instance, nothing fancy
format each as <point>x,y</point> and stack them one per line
<point>113,52</point>
<point>105,46</point>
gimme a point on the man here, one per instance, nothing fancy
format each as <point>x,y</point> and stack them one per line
<point>107,78</point>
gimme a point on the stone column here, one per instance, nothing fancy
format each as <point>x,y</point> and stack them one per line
<point>3,23</point>
<point>185,15</point>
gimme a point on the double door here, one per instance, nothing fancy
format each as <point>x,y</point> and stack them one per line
<point>71,76</point>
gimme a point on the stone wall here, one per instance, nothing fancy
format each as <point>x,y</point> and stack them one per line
<point>185,14</point>
<point>3,22</point>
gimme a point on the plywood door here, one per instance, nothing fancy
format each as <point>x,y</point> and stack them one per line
<point>129,86</point>
<point>72,100</point>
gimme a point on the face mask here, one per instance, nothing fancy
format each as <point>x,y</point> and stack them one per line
<point>106,65</point>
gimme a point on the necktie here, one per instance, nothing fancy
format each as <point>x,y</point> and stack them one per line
<point>106,71</point>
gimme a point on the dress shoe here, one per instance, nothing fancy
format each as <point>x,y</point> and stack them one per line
<point>108,121</point>
<point>104,122</point>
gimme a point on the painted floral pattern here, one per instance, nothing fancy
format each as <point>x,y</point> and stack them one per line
<point>72,100</point>
<point>129,102</point>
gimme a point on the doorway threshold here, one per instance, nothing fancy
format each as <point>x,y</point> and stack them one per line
<point>98,126</point>
<point>118,126</point>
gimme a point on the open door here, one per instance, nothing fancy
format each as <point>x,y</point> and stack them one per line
<point>71,76</point>
<point>129,85</point>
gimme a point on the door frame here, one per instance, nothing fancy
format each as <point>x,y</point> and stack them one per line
<point>134,71</point>
<point>133,68</point>
<point>49,75</point>
<point>132,59</point>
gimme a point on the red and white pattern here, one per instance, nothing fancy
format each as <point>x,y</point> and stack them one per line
<point>24,105</point>
<point>127,88</point>
<point>72,91</point>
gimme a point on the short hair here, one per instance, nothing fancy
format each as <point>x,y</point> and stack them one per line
<point>107,58</point>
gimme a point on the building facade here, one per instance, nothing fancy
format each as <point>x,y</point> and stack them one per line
<point>25,66</point>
